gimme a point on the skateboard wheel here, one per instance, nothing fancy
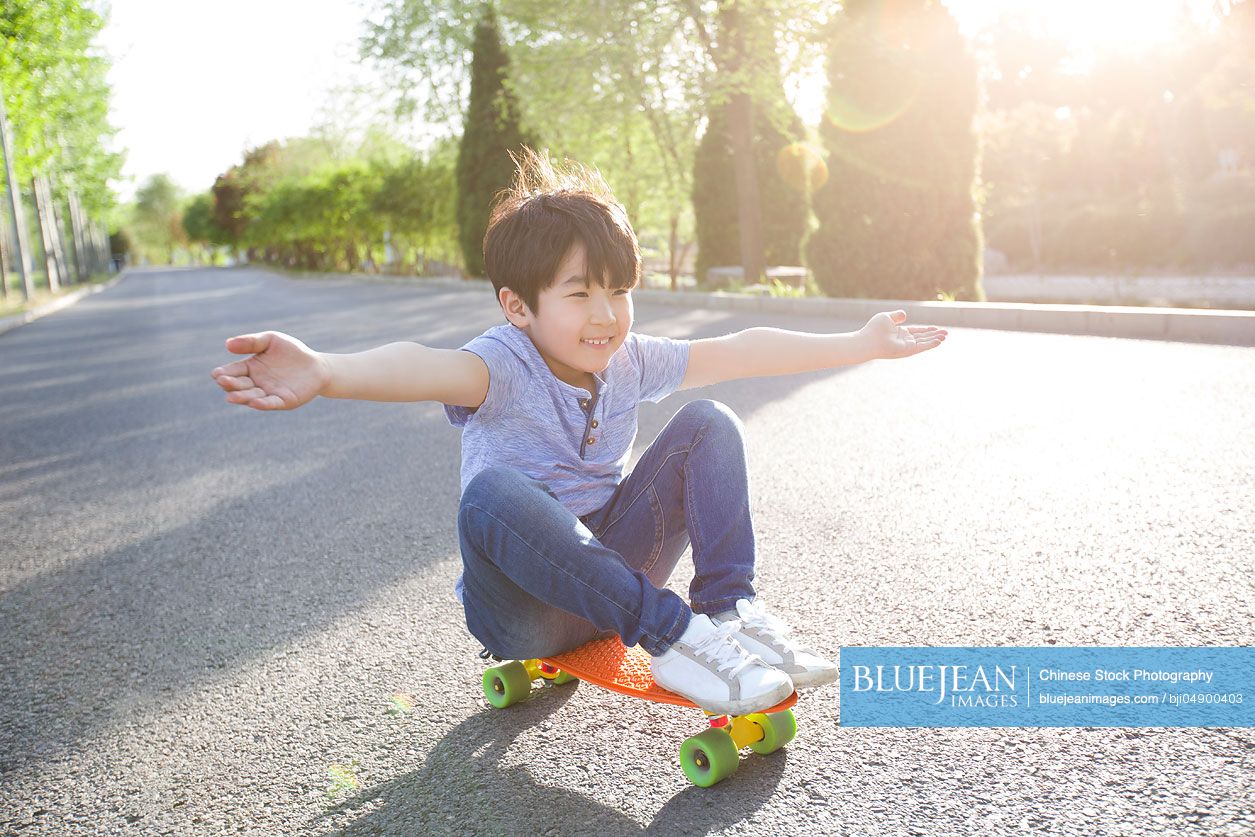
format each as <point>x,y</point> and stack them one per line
<point>709,757</point>
<point>563,677</point>
<point>507,684</point>
<point>779,728</point>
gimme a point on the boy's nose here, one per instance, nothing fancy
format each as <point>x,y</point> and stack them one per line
<point>603,314</point>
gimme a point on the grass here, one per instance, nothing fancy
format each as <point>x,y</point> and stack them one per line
<point>16,304</point>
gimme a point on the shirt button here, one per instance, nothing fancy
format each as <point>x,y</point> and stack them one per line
<point>594,422</point>
<point>584,403</point>
<point>591,440</point>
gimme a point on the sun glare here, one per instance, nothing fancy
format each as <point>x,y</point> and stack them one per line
<point>1093,26</point>
<point>1088,28</point>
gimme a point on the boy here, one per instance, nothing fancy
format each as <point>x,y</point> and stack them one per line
<point>558,546</point>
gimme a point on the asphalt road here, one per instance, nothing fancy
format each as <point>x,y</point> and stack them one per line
<point>207,612</point>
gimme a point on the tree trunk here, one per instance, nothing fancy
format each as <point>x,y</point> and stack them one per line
<point>4,256</point>
<point>741,129</point>
<point>51,268</point>
<point>673,262</point>
<point>81,261</point>
<point>15,204</point>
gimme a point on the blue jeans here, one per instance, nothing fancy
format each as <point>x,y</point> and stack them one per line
<point>539,581</point>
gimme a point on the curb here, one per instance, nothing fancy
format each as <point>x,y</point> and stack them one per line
<point>14,320</point>
<point>1226,327</point>
<point>1144,323</point>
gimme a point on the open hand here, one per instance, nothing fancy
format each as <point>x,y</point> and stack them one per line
<point>283,373</point>
<point>887,338</point>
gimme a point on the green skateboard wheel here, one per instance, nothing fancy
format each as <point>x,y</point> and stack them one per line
<point>779,728</point>
<point>507,684</point>
<point>709,757</point>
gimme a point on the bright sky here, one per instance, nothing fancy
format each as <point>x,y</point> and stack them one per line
<point>194,84</point>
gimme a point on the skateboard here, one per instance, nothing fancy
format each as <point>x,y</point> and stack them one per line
<point>706,758</point>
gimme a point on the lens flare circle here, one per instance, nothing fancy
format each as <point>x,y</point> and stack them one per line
<point>801,167</point>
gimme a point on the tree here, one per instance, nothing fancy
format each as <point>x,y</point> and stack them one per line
<point>624,89</point>
<point>57,97</point>
<point>416,202</point>
<point>898,216</point>
<point>55,94</point>
<point>198,224</point>
<point>159,217</point>
<point>784,208</point>
<point>493,128</point>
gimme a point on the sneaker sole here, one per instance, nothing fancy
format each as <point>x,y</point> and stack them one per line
<point>744,706</point>
<point>810,679</point>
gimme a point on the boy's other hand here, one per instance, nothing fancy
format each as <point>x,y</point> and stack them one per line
<point>888,338</point>
<point>282,374</point>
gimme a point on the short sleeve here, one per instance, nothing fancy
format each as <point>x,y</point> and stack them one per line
<point>662,362</point>
<point>506,374</point>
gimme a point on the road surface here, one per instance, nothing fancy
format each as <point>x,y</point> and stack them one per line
<point>208,613</point>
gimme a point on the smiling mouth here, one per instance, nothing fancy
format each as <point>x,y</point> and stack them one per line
<point>605,341</point>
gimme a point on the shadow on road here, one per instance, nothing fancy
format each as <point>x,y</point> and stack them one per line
<point>463,786</point>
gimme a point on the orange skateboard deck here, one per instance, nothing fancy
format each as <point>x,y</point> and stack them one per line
<point>610,664</point>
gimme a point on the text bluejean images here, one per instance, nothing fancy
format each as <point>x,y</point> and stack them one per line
<point>1047,687</point>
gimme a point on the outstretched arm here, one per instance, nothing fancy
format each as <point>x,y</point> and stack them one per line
<point>756,352</point>
<point>284,373</point>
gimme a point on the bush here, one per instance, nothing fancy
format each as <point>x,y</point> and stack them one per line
<point>1223,238</point>
<point>1113,238</point>
<point>898,217</point>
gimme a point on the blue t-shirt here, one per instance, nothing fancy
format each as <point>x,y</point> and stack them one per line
<point>543,427</point>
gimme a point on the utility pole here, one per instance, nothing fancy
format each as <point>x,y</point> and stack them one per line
<point>15,204</point>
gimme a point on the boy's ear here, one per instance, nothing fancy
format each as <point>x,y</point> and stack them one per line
<point>515,309</point>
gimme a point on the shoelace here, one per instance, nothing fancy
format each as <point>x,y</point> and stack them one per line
<point>756,615</point>
<point>719,646</point>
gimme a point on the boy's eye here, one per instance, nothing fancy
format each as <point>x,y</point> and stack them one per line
<point>584,293</point>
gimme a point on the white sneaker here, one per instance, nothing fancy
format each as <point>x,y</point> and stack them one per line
<point>709,667</point>
<point>769,637</point>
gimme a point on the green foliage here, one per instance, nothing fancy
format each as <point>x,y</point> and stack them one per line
<point>158,218</point>
<point>308,220</point>
<point>57,98</point>
<point>778,288</point>
<point>306,204</point>
<point>897,217</point>
<point>416,202</point>
<point>492,129</point>
<point>622,87</point>
<point>783,209</point>
<point>198,220</point>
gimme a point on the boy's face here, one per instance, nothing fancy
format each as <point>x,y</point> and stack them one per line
<point>573,310</point>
